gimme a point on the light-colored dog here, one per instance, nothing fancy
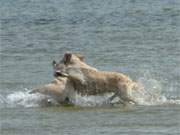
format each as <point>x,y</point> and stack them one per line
<point>61,88</point>
<point>93,82</point>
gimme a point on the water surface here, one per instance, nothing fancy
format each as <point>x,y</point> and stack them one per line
<point>135,37</point>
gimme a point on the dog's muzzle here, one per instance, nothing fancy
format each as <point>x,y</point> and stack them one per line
<point>59,73</point>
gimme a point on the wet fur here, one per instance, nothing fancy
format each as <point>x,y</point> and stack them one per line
<point>91,82</point>
<point>60,89</point>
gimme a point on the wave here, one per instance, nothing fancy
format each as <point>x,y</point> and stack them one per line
<point>151,95</point>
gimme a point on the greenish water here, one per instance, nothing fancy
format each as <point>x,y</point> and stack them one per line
<point>136,37</point>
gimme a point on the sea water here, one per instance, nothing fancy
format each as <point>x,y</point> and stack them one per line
<point>138,38</point>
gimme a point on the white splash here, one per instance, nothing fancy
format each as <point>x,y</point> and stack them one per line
<point>24,99</point>
<point>151,95</point>
<point>92,101</point>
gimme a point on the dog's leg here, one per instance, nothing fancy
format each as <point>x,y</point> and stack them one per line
<point>67,102</point>
<point>128,99</point>
<point>113,96</point>
<point>117,94</point>
<point>123,94</point>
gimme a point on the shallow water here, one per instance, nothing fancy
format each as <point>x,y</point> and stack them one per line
<point>138,38</point>
<point>159,120</point>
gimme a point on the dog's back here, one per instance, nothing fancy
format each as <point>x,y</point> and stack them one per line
<point>98,82</point>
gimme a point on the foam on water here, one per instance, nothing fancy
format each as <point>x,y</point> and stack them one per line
<point>24,99</point>
<point>92,101</point>
<point>151,95</point>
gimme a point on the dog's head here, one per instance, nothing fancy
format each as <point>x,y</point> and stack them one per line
<point>69,60</point>
<point>75,60</point>
<point>59,69</point>
<point>72,59</point>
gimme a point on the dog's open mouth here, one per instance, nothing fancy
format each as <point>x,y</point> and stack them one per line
<point>60,74</point>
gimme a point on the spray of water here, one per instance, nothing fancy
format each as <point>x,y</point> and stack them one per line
<point>151,95</point>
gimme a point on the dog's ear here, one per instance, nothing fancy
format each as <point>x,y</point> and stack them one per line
<point>54,63</point>
<point>80,56</point>
<point>67,57</point>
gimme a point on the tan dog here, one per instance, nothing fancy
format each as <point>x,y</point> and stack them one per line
<point>61,88</point>
<point>72,60</point>
<point>93,82</point>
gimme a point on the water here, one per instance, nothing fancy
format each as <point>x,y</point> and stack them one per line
<point>135,37</point>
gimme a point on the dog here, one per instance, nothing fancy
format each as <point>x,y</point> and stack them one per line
<point>87,81</point>
<point>73,60</point>
<point>61,88</point>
